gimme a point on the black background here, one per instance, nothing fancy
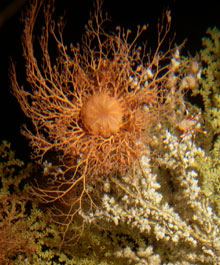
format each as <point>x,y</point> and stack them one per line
<point>190,19</point>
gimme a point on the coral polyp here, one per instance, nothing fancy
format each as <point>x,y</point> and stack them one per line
<point>102,115</point>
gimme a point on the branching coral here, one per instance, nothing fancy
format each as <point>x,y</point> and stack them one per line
<point>93,108</point>
<point>15,240</point>
<point>105,120</point>
<point>26,235</point>
<point>209,91</point>
<point>179,226</point>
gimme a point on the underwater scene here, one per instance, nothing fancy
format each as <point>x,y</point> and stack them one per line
<point>110,133</point>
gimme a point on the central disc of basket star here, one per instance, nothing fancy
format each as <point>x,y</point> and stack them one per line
<point>102,115</point>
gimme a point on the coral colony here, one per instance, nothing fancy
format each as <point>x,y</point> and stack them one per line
<point>123,177</point>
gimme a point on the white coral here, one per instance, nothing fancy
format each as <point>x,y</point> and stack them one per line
<point>189,225</point>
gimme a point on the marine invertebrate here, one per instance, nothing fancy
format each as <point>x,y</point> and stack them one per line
<point>179,227</point>
<point>15,238</point>
<point>209,92</point>
<point>189,125</point>
<point>94,107</point>
<point>102,115</point>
